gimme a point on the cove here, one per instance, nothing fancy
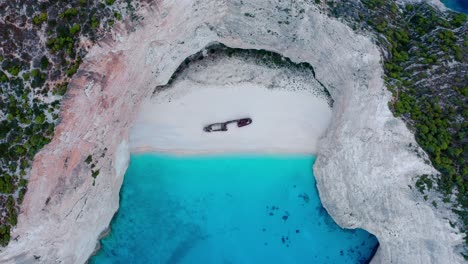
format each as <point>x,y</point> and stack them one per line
<point>457,5</point>
<point>226,209</point>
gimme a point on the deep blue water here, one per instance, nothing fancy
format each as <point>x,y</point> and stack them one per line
<point>457,5</point>
<point>226,209</point>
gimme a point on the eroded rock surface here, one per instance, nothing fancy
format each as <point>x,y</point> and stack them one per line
<point>364,165</point>
<point>289,107</point>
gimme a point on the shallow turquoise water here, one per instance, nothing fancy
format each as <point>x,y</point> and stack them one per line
<point>457,5</point>
<point>226,209</point>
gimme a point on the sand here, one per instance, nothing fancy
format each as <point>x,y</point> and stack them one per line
<point>361,178</point>
<point>283,121</point>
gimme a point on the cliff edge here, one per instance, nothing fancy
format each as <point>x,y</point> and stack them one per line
<point>365,162</point>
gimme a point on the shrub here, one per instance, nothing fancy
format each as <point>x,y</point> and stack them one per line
<point>3,77</point>
<point>39,19</point>
<point>69,13</point>
<point>61,89</point>
<point>94,22</point>
<point>73,68</point>
<point>89,159</point>
<point>118,16</point>
<point>44,63</point>
<point>75,29</point>
<point>95,173</point>
<point>13,70</point>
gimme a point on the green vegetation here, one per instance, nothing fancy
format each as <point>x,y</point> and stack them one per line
<point>73,68</point>
<point>94,22</point>
<point>14,70</point>
<point>89,159</point>
<point>92,166</point>
<point>95,173</point>
<point>439,129</point>
<point>424,69</point>
<point>75,29</point>
<point>4,234</point>
<point>39,19</point>
<point>69,13</point>
<point>34,77</point>
<point>61,89</point>
<point>44,63</point>
<point>118,16</point>
<point>3,77</point>
<point>420,42</point>
<point>26,76</point>
<point>424,183</point>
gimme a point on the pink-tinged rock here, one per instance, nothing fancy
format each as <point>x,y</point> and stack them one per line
<point>363,168</point>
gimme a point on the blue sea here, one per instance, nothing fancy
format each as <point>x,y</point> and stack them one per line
<point>457,5</point>
<point>226,209</point>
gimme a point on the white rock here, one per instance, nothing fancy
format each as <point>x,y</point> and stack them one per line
<point>363,169</point>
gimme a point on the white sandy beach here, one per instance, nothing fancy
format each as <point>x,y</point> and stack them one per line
<point>290,111</point>
<point>283,121</point>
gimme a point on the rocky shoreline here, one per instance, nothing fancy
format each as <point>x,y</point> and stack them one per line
<point>69,205</point>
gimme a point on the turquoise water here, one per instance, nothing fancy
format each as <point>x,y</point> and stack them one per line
<point>457,5</point>
<point>226,209</point>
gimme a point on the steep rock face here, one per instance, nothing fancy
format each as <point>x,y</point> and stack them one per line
<point>436,3</point>
<point>290,109</point>
<point>364,164</point>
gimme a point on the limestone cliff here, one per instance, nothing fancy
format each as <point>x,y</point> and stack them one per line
<point>364,164</point>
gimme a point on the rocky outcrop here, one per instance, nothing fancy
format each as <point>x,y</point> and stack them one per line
<point>364,163</point>
<point>436,3</point>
